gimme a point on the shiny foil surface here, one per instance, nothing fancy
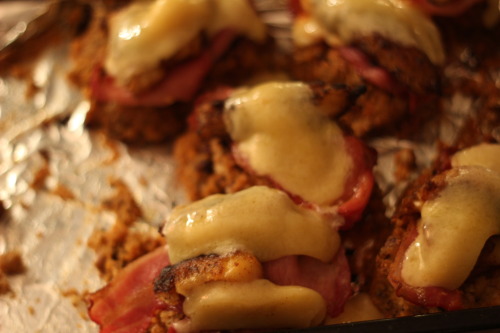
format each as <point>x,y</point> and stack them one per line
<point>55,174</point>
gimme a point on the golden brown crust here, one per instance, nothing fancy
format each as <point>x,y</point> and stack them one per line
<point>138,125</point>
<point>188,274</point>
<point>376,111</point>
<point>180,279</point>
<point>120,245</point>
<point>207,167</point>
<point>407,65</point>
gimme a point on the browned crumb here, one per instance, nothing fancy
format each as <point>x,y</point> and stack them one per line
<point>40,177</point>
<point>160,323</point>
<point>31,310</point>
<point>42,173</point>
<point>113,146</point>
<point>209,167</point>
<point>405,163</point>
<point>122,203</point>
<point>11,263</point>
<point>77,300</point>
<point>118,246</point>
<point>4,284</point>
<point>63,192</point>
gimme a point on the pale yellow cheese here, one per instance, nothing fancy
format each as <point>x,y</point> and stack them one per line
<point>282,134</point>
<point>259,220</point>
<point>344,20</point>
<point>454,228</point>
<point>307,31</point>
<point>147,32</point>
<point>256,304</point>
<point>485,154</point>
<point>358,308</point>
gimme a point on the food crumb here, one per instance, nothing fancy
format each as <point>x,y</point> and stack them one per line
<point>404,164</point>
<point>11,263</point>
<point>63,192</point>
<point>121,244</point>
<point>123,203</point>
<point>4,284</point>
<point>78,301</point>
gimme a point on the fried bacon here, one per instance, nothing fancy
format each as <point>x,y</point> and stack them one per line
<point>128,304</point>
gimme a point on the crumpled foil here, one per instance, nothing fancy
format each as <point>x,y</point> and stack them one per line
<point>50,223</point>
<point>44,134</point>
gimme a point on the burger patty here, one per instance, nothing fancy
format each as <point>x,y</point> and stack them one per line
<point>142,123</point>
<point>378,111</point>
<point>484,278</point>
<point>203,154</point>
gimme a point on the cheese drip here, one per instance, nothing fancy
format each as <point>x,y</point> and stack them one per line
<point>259,220</point>
<point>456,224</point>
<point>147,32</point>
<point>340,21</point>
<point>255,304</point>
<point>283,135</point>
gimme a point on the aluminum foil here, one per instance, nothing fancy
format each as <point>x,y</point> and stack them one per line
<point>44,134</point>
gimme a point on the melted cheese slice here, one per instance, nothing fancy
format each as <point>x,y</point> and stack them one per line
<point>486,155</point>
<point>282,134</point>
<point>454,228</point>
<point>259,220</point>
<point>147,32</point>
<point>256,304</point>
<point>341,21</point>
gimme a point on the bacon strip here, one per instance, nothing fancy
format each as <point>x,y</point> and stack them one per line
<point>128,303</point>
<point>376,75</point>
<point>360,184</point>
<point>180,84</point>
<point>331,280</point>
<point>424,296</point>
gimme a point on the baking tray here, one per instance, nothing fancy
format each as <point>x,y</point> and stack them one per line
<point>52,121</point>
<point>470,320</point>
